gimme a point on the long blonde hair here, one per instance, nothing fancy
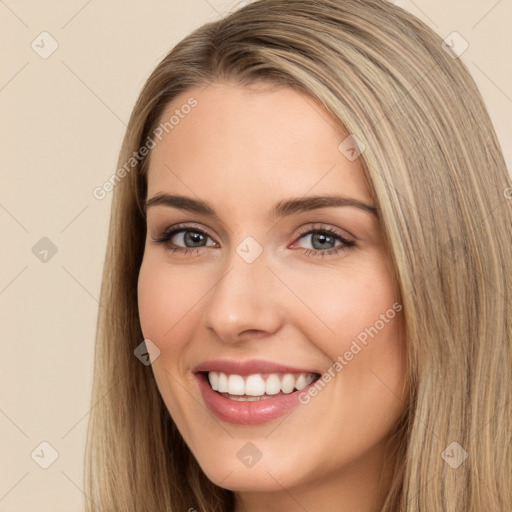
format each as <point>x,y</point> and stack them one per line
<point>439,180</point>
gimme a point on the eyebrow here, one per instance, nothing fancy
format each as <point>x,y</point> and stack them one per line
<point>281,209</point>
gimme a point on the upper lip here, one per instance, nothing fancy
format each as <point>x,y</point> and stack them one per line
<point>247,367</point>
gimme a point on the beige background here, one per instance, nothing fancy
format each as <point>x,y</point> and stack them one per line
<point>63,122</point>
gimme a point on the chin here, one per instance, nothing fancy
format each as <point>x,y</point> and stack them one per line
<point>263,477</point>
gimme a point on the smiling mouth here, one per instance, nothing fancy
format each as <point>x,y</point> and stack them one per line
<point>257,386</point>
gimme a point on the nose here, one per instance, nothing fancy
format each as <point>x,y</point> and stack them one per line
<point>244,303</point>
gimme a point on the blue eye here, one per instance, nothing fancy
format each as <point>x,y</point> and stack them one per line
<point>185,235</point>
<point>191,238</point>
<point>321,240</point>
<point>188,239</point>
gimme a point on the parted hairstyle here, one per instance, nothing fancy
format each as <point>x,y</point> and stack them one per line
<point>440,184</point>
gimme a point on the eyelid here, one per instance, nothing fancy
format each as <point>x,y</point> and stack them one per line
<point>346,243</point>
<point>320,226</point>
<point>183,227</point>
<point>303,230</point>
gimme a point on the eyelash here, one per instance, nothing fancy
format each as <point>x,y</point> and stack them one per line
<point>167,234</point>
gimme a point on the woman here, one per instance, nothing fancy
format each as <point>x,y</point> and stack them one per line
<point>310,243</point>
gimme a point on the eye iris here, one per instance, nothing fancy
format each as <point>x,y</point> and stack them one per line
<point>322,238</point>
<point>193,237</point>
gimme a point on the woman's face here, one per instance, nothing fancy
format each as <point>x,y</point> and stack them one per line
<point>267,288</point>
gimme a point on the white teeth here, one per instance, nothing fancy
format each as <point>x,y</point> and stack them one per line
<point>214,380</point>
<point>236,385</point>
<point>256,386</point>
<point>273,384</point>
<point>288,383</point>
<point>223,383</point>
<point>302,381</point>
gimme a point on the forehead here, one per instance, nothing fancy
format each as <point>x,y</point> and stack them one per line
<point>226,141</point>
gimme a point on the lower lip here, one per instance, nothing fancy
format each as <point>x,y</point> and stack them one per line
<point>247,412</point>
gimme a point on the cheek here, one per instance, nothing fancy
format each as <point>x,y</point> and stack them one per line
<point>343,306</point>
<point>357,321</point>
<point>165,300</point>
<point>153,299</point>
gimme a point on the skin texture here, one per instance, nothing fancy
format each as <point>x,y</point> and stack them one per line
<point>241,150</point>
